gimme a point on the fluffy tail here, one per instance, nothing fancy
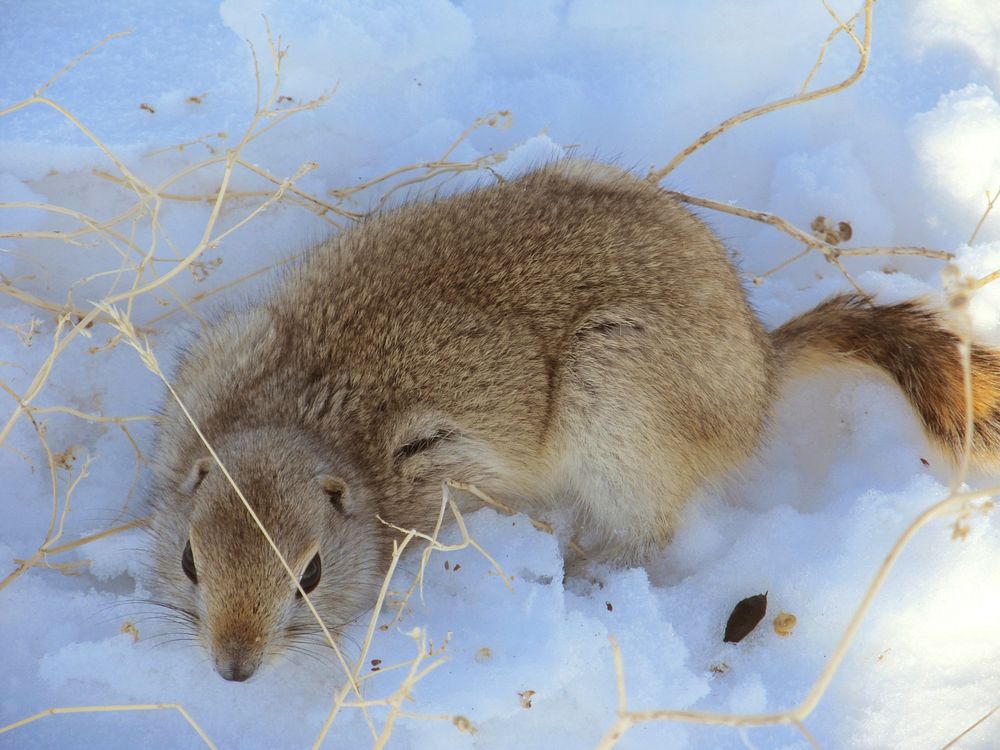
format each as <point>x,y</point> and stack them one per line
<point>911,344</point>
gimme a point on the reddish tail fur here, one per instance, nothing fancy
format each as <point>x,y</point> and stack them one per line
<point>912,345</point>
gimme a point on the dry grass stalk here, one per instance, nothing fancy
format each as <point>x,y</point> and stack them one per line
<point>796,716</point>
<point>802,97</point>
<point>108,709</point>
<point>832,253</point>
<point>990,202</point>
<point>74,321</point>
<point>507,510</point>
<point>414,675</point>
<point>841,26</point>
<point>972,727</point>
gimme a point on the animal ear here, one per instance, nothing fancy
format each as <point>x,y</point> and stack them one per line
<point>336,490</point>
<point>423,447</point>
<point>419,443</point>
<point>197,474</point>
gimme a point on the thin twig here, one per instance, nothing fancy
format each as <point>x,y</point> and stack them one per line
<point>657,175</point>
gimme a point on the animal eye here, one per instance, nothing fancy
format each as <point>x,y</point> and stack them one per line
<point>187,562</point>
<point>310,578</point>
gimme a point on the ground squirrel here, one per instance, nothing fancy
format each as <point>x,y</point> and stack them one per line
<point>573,336</point>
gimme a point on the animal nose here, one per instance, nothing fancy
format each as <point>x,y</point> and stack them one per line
<point>237,661</point>
<point>236,670</point>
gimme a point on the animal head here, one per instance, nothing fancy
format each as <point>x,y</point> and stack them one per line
<point>220,574</point>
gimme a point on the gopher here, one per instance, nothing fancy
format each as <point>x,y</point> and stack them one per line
<point>571,338</point>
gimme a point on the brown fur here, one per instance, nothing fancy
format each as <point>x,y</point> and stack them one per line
<point>910,344</point>
<point>574,337</point>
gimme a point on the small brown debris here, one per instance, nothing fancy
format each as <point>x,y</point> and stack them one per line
<point>196,99</point>
<point>285,100</point>
<point>200,269</point>
<point>464,725</point>
<point>65,459</point>
<point>881,657</point>
<point>610,606</point>
<point>924,461</point>
<point>829,232</point>
<point>784,624</point>
<point>719,668</point>
<point>745,617</point>
<point>148,107</point>
<point>458,567</point>
<point>483,655</point>
<point>526,697</point>
<point>129,627</point>
<point>447,565</point>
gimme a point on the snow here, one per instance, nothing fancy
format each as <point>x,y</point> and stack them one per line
<point>958,143</point>
<point>906,156</point>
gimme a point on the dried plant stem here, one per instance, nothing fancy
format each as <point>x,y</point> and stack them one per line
<point>399,547</point>
<point>113,709</point>
<point>414,675</point>
<point>137,276</point>
<point>506,509</point>
<point>136,524</point>
<point>217,290</point>
<point>40,557</point>
<point>832,253</point>
<point>972,727</point>
<point>76,60</point>
<point>467,540</point>
<point>88,417</point>
<point>657,175</point>
<point>841,26</point>
<point>990,202</point>
<point>797,715</point>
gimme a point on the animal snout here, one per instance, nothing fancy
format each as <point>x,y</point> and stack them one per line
<point>235,670</point>
<point>237,660</point>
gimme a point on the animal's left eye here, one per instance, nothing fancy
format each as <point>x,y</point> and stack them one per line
<point>310,578</point>
<point>187,563</point>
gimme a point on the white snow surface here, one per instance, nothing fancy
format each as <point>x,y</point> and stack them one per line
<point>906,156</point>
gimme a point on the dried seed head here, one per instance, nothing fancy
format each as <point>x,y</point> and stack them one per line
<point>784,624</point>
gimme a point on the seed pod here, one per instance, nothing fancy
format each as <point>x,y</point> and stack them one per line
<point>745,617</point>
<point>784,624</point>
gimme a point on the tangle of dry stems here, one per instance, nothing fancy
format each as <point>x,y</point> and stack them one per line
<point>73,321</point>
<point>141,263</point>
